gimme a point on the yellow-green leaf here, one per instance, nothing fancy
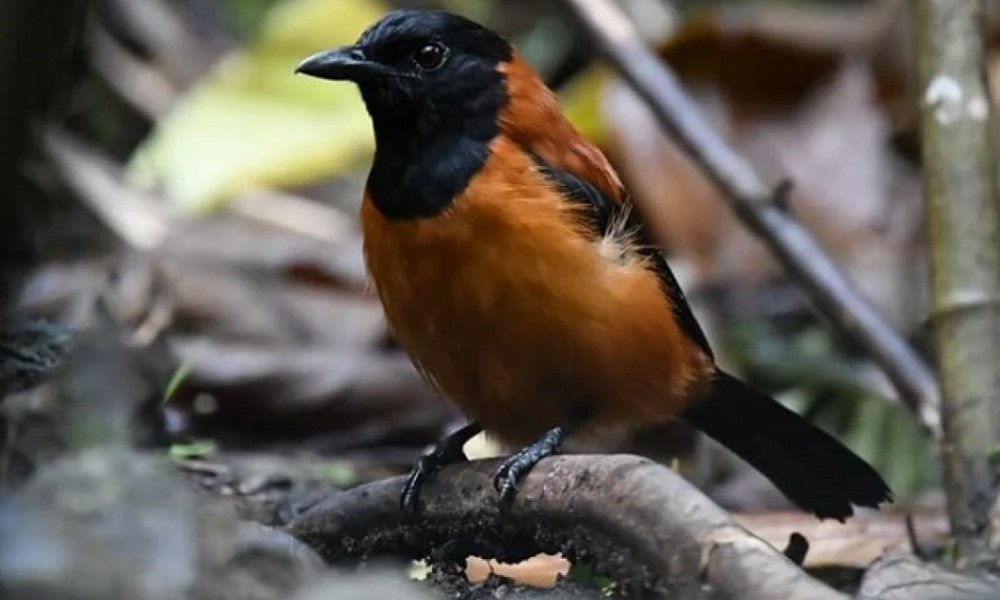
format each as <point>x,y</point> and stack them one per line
<point>582,99</point>
<point>251,122</point>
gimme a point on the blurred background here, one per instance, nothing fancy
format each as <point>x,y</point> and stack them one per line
<point>182,211</point>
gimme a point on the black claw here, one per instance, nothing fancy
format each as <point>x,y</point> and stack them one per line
<point>517,466</point>
<point>422,472</point>
<point>448,452</point>
<point>506,479</point>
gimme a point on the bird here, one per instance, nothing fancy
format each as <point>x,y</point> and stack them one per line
<point>514,272</point>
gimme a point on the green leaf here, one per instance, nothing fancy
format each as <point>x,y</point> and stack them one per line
<point>251,122</point>
<point>176,380</point>
<point>198,449</point>
<point>584,575</point>
<point>339,474</point>
<point>246,15</point>
<point>582,99</point>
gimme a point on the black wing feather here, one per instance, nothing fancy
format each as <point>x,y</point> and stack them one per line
<point>604,212</point>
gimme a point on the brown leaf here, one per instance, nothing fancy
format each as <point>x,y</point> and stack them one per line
<point>299,391</point>
<point>245,244</point>
<point>234,305</point>
<point>855,543</point>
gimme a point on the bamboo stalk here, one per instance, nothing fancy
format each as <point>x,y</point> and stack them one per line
<point>960,188</point>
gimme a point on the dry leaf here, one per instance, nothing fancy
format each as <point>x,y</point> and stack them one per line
<point>855,543</point>
<point>538,571</point>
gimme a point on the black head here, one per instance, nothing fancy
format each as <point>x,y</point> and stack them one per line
<point>430,65</point>
<point>432,83</point>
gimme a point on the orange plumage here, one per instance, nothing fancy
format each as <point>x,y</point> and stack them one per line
<point>534,121</point>
<point>512,271</point>
<point>507,305</point>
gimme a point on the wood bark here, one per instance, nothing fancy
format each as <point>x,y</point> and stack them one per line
<point>626,517</point>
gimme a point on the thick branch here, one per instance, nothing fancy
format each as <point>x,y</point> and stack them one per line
<point>960,190</point>
<point>754,203</point>
<point>905,578</point>
<point>630,518</point>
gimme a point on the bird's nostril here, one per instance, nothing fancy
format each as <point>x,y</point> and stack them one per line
<point>357,54</point>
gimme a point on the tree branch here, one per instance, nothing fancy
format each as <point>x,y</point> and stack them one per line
<point>905,578</point>
<point>636,521</point>
<point>960,191</point>
<point>760,209</point>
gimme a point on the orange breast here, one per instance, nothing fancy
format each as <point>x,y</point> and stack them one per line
<point>507,304</point>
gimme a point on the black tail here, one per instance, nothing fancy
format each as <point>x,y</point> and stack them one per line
<point>813,469</point>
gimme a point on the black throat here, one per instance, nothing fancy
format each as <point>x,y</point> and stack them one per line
<point>421,164</point>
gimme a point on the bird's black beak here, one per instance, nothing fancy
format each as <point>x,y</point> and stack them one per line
<point>348,63</point>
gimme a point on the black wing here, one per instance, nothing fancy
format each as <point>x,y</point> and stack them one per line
<point>604,213</point>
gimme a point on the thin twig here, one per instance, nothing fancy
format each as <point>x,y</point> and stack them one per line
<point>754,204</point>
<point>960,192</point>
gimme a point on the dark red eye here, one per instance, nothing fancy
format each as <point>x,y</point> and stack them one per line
<point>430,56</point>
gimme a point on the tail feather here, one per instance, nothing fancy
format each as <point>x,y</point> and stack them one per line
<point>808,465</point>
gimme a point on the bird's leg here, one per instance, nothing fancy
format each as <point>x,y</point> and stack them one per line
<point>447,452</point>
<point>517,465</point>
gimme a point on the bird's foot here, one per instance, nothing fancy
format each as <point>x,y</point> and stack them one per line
<point>517,465</point>
<point>448,452</point>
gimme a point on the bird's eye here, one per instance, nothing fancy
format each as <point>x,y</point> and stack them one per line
<point>430,56</point>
